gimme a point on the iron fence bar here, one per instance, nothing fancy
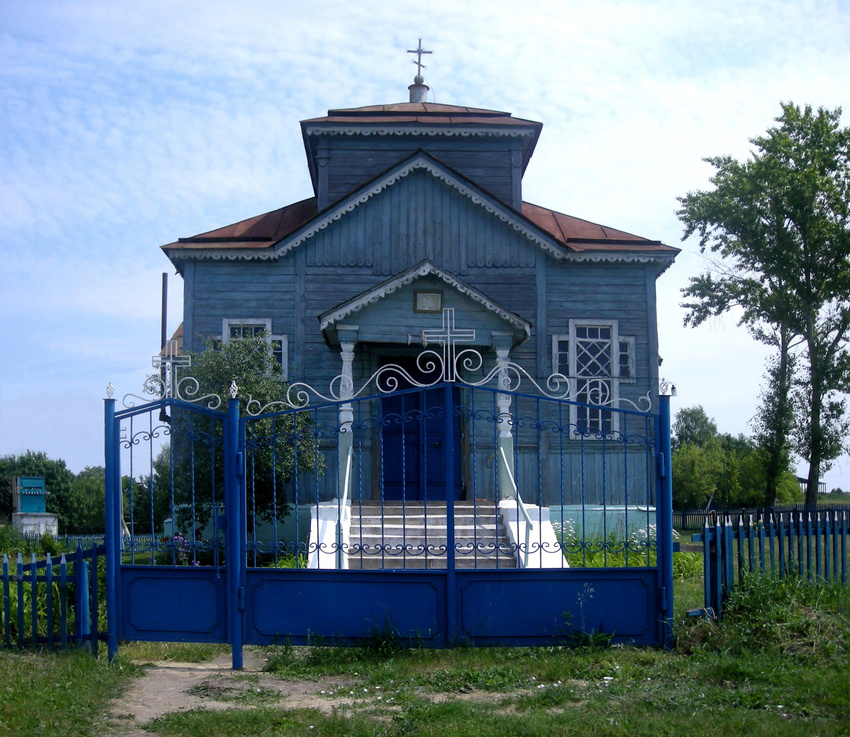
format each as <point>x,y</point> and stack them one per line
<point>234,480</point>
<point>664,536</point>
<point>448,462</point>
<point>497,468</point>
<point>113,526</point>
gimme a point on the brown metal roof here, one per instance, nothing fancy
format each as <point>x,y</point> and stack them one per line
<point>428,113</point>
<point>264,231</point>
<point>583,235</point>
<point>260,231</point>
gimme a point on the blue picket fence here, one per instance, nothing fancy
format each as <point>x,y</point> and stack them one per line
<point>810,545</point>
<point>52,603</point>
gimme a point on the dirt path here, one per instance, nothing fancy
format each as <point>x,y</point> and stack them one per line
<point>173,687</point>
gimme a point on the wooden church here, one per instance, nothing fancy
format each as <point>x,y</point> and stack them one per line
<point>417,236</point>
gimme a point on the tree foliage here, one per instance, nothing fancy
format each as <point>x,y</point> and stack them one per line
<point>692,426</point>
<point>58,480</point>
<point>780,223</point>
<point>721,470</point>
<point>189,472</point>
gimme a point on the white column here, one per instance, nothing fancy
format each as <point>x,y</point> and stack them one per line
<point>506,438</point>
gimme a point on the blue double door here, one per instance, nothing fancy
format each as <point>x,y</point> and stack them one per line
<point>414,436</point>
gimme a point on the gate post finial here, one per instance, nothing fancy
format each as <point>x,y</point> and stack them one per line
<point>234,390</point>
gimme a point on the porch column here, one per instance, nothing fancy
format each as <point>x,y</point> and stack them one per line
<point>346,411</point>
<point>503,422</point>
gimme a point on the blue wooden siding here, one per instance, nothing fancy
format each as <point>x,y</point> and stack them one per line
<point>587,291</point>
<point>355,161</point>
<point>416,218</point>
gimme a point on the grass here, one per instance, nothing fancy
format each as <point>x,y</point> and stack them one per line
<point>62,694</point>
<point>777,664</point>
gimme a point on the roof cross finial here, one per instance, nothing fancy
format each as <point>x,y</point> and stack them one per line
<point>418,61</point>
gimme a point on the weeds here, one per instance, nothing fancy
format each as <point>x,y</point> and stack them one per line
<point>788,616</point>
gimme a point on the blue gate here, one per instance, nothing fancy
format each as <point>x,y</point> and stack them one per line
<point>316,518</point>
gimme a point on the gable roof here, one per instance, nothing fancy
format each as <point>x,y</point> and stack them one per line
<point>272,234</point>
<point>425,268</point>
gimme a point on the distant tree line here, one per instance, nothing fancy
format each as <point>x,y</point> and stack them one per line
<point>78,499</point>
<point>723,470</point>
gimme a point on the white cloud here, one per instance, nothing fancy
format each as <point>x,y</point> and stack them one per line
<point>125,127</point>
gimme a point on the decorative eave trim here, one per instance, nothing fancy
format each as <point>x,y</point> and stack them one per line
<point>221,254</point>
<point>620,257</point>
<point>425,163</point>
<point>361,129</point>
<point>425,268</point>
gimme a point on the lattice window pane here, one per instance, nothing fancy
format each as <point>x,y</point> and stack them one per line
<point>593,351</point>
<point>246,330</point>
<point>627,359</point>
<point>562,357</point>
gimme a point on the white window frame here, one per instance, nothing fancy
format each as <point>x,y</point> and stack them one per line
<point>266,324</point>
<point>617,343</point>
<point>629,340</point>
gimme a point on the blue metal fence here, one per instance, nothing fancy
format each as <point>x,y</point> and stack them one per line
<point>434,509</point>
<point>811,545</point>
<point>52,603</point>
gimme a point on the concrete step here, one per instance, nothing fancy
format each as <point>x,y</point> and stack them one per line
<point>395,536</point>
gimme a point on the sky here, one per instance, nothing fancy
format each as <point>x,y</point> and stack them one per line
<point>124,126</point>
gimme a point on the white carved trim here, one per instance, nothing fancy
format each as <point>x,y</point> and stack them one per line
<point>370,129</point>
<point>596,257</point>
<point>426,268</point>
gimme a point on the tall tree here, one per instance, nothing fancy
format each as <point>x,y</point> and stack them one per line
<point>780,222</point>
<point>692,426</point>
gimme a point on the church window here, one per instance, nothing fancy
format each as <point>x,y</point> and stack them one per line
<point>258,327</point>
<point>596,359</point>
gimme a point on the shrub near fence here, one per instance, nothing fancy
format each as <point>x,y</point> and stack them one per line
<point>46,600</point>
<point>811,545</point>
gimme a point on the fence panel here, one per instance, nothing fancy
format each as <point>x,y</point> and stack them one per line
<point>810,545</point>
<point>43,599</point>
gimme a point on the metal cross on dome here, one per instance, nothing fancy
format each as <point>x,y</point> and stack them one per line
<point>448,336</point>
<point>419,51</point>
<point>167,362</point>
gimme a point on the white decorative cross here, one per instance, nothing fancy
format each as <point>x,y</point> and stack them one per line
<point>419,51</point>
<point>448,337</point>
<point>168,363</point>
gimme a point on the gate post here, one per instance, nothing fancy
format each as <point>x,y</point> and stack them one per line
<point>664,519</point>
<point>112,487</point>
<point>234,554</point>
<point>449,461</point>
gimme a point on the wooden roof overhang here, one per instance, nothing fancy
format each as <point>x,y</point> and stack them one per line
<point>273,234</point>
